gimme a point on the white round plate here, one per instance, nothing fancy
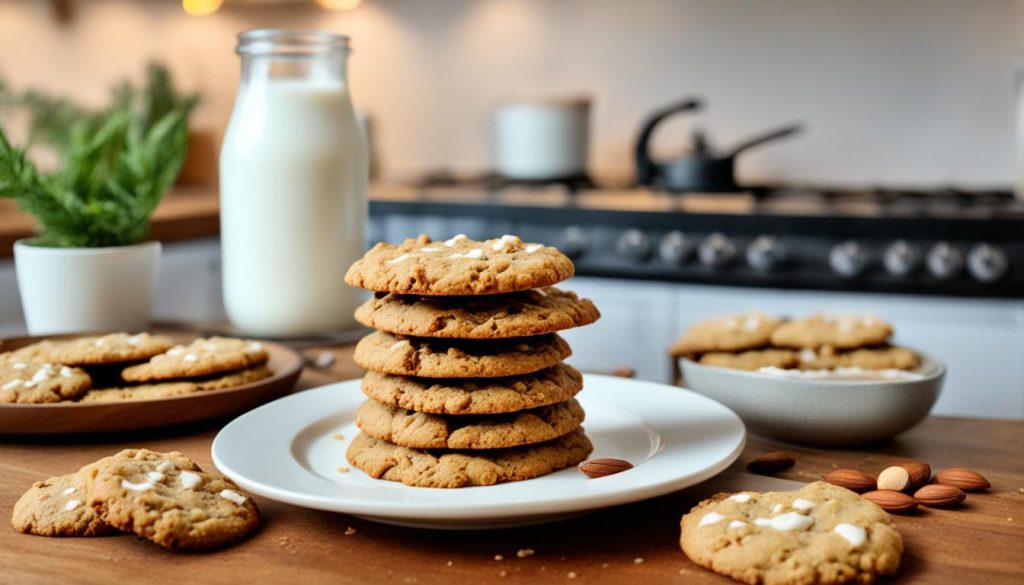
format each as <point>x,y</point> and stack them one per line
<point>290,450</point>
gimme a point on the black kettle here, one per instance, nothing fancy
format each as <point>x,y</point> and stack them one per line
<point>702,170</point>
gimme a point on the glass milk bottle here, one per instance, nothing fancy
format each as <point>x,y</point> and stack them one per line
<point>293,174</point>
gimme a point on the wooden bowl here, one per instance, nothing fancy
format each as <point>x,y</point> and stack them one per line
<point>97,417</point>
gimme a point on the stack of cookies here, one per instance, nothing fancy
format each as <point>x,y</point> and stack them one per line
<point>466,380</point>
<point>754,341</point>
<point>122,366</point>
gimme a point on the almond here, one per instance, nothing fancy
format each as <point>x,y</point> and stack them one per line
<point>938,495</point>
<point>851,479</point>
<point>604,466</point>
<point>894,478</point>
<point>891,500</point>
<point>771,462</point>
<point>919,472</point>
<point>964,479</point>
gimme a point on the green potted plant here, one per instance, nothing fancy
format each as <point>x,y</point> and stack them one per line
<point>88,267</point>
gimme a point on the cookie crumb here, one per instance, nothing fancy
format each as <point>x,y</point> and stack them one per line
<point>524,552</point>
<point>503,574</point>
<point>499,558</point>
<point>571,575</point>
<point>449,563</point>
<point>342,469</point>
<point>638,561</point>
<point>350,531</point>
<point>338,437</point>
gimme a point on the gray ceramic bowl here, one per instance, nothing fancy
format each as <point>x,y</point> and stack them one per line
<point>820,412</point>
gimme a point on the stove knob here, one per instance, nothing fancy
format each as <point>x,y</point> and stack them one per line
<point>987,262</point>
<point>901,258</point>
<point>848,258</point>
<point>575,242</point>
<point>944,260</point>
<point>765,253</point>
<point>716,250</point>
<point>633,244</point>
<point>675,248</point>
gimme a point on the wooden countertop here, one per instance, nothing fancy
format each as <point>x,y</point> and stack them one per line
<point>980,542</point>
<point>184,214</point>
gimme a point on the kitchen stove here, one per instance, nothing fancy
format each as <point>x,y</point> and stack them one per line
<point>943,242</point>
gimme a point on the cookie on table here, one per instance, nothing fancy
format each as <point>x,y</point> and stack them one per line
<point>420,430</point>
<point>532,312</point>
<point>179,388</point>
<point>168,499</point>
<point>202,357</point>
<point>820,533</point>
<point>483,396</point>
<point>730,333</point>
<point>882,358</point>
<point>107,349</point>
<point>439,469</point>
<point>35,383</point>
<point>459,266</point>
<point>58,507</point>
<point>838,331</point>
<point>444,358</point>
<point>754,359</point>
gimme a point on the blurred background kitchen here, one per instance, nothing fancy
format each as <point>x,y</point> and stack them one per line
<point>616,130</point>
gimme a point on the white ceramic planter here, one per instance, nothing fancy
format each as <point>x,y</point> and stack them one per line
<point>66,290</point>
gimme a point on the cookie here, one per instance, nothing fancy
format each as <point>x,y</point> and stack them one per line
<point>838,331</point>
<point>444,358</point>
<point>882,358</point>
<point>57,507</point>
<point>168,499</point>
<point>820,534</point>
<point>466,397</point>
<point>181,388</point>
<point>532,312</point>
<point>34,382</point>
<point>459,266</point>
<point>418,430</point>
<point>107,349</point>
<point>754,359</point>
<point>440,469</point>
<point>732,333</point>
<point>202,357</point>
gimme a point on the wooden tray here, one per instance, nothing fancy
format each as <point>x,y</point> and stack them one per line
<point>95,417</point>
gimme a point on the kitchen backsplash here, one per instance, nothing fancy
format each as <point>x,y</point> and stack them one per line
<point>881,85</point>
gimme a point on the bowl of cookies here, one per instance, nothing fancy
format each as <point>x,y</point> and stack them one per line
<point>823,380</point>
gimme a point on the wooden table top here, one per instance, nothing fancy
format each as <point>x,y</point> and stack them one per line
<point>979,542</point>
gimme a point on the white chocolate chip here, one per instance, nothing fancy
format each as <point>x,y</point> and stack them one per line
<point>736,524</point>
<point>429,249</point>
<point>66,372</point>
<point>134,339</point>
<point>45,372</point>
<point>233,496</point>
<point>533,248</point>
<point>155,476</point>
<point>776,508</point>
<point>69,491</point>
<point>505,242</point>
<point>136,487</point>
<point>808,355</point>
<point>855,535</point>
<point>741,498</point>
<point>255,346</point>
<point>189,479</point>
<point>12,384</point>
<point>787,522</point>
<point>398,259</point>
<point>176,350</point>
<point>72,504</point>
<point>399,344</point>
<point>190,357</point>
<point>164,466</point>
<point>711,518</point>
<point>751,323</point>
<point>455,239</point>
<point>99,342</point>
<point>475,253</point>
<point>19,365</point>
<point>803,505</point>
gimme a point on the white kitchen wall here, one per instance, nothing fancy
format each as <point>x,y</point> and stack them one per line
<point>894,91</point>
